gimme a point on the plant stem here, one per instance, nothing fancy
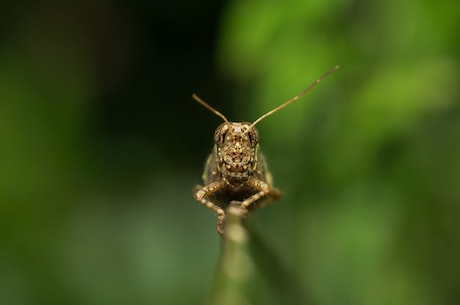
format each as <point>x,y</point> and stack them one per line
<point>235,265</point>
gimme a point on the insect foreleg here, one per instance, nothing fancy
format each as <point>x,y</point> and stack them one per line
<point>206,191</point>
<point>264,190</point>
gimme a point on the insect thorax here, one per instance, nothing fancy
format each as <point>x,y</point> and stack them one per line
<point>236,151</point>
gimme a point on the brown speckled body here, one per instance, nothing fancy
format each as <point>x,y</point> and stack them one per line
<point>235,172</point>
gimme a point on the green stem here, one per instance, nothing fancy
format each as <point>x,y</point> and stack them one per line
<point>235,265</point>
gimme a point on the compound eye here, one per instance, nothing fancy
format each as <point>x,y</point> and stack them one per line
<point>253,136</point>
<point>219,134</point>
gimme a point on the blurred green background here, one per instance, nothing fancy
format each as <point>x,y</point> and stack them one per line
<point>101,144</point>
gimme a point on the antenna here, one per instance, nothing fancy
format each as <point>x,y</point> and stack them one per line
<point>205,105</point>
<point>295,98</point>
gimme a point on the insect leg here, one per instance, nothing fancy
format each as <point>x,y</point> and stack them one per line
<point>202,193</point>
<point>264,190</point>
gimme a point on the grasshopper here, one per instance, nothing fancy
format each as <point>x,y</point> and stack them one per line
<point>235,172</point>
